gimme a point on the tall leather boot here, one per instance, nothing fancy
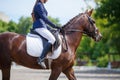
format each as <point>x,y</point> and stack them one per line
<point>41,59</point>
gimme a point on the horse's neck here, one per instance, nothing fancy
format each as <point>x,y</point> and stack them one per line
<point>74,39</point>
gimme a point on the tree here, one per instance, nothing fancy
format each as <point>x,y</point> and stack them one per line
<point>109,10</point>
<point>3,26</point>
<point>107,16</point>
<point>24,25</point>
<point>12,26</point>
<point>55,20</point>
<point>107,19</point>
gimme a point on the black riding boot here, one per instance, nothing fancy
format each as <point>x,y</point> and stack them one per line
<point>47,48</point>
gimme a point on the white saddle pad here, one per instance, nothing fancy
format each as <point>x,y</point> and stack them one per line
<point>35,47</point>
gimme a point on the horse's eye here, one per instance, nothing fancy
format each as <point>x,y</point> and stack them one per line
<point>96,31</point>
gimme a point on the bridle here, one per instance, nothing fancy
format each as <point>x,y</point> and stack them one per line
<point>90,34</point>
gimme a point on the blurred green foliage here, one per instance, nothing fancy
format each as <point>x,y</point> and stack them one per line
<point>107,17</point>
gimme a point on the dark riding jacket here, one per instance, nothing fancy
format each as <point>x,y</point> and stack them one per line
<point>40,14</point>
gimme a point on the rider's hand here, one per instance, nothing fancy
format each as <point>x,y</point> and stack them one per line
<point>60,28</point>
<point>57,27</point>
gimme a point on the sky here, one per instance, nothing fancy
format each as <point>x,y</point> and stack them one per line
<point>62,9</point>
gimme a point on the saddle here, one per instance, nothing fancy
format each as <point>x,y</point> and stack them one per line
<point>55,34</point>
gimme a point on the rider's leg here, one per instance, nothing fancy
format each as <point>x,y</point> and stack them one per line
<point>51,40</point>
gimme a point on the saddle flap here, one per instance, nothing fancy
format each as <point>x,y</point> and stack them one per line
<point>35,47</point>
<point>55,34</point>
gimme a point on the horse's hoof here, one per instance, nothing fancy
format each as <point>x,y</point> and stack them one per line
<point>42,64</point>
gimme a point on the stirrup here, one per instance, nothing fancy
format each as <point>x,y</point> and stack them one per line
<point>41,63</point>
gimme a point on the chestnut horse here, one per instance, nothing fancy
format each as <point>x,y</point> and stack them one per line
<point>13,48</point>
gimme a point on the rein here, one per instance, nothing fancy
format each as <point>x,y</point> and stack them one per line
<point>75,30</point>
<point>68,31</point>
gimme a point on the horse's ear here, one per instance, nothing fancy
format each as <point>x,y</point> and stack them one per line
<point>86,11</point>
<point>90,12</point>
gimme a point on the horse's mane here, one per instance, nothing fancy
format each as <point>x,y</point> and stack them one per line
<point>71,21</point>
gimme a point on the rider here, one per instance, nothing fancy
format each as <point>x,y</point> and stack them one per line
<point>40,22</point>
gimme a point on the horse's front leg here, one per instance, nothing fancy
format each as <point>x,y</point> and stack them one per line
<point>69,72</point>
<point>55,72</point>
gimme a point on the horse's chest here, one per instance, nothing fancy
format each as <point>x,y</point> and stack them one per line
<point>68,59</point>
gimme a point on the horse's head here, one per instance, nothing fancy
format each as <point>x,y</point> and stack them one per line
<point>90,27</point>
<point>85,24</point>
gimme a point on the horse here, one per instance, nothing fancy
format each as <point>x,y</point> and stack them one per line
<point>13,48</point>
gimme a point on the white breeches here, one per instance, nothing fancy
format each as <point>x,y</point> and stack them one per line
<point>46,34</point>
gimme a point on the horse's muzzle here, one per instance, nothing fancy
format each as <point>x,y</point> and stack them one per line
<point>98,37</point>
